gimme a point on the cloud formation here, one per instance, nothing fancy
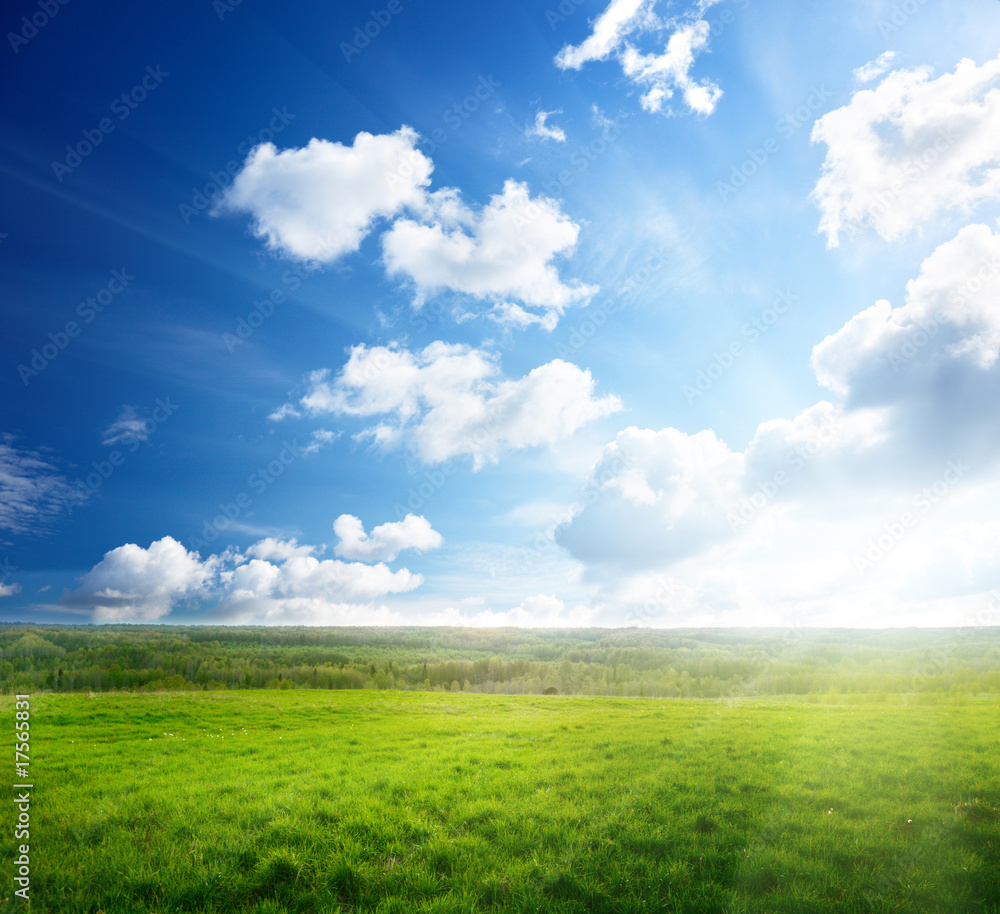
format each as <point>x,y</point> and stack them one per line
<point>385,541</point>
<point>275,583</point>
<point>844,505</point>
<point>319,202</point>
<point>450,400</point>
<point>129,426</point>
<point>503,251</point>
<point>874,68</point>
<point>132,584</point>
<point>544,131</point>
<point>33,491</point>
<point>662,73</point>
<point>910,149</point>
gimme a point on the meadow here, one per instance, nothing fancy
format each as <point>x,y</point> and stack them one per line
<point>386,801</point>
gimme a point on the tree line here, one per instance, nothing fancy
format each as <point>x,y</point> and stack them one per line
<point>671,663</point>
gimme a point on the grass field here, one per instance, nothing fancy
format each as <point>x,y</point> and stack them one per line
<point>407,802</point>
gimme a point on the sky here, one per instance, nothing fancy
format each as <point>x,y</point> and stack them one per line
<point>540,313</point>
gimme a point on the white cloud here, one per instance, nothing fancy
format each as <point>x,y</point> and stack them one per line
<point>8,590</point>
<point>662,495</point>
<point>503,251</point>
<point>132,584</point>
<point>933,360</point>
<point>304,590</point>
<point>665,72</point>
<point>33,492</point>
<point>911,148</point>
<point>874,68</point>
<point>284,412</point>
<point>610,30</point>
<point>129,426</point>
<point>660,73</point>
<point>511,314</point>
<point>545,132</point>
<point>537,611</point>
<point>320,439</point>
<point>449,400</point>
<point>385,541</point>
<point>902,467</point>
<point>274,548</point>
<point>318,203</point>
<point>276,582</point>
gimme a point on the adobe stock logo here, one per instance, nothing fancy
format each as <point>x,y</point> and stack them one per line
<point>121,107</point>
<point>364,36</point>
<point>46,12</point>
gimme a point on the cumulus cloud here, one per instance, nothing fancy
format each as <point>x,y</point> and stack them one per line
<point>385,541</point>
<point>662,494</point>
<point>302,590</point>
<point>8,590</point>
<point>934,359</point>
<point>275,582</point>
<point>909,149</point>
<point>132,584</point>
<point>505,250</point>
<point>273,548</point>
<point>318,203</point>
<point>450,399</point>
<point>544,131</point>
<point>33,490</point>
<point>839,509</point>
<point>661,73</point>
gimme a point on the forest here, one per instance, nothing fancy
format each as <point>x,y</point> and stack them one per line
<point>819,664</point>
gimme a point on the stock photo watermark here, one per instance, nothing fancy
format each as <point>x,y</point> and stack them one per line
<point>655,607</point>
<point>586,495</point>
<point>22,800</point>
<point>795,461</point>
<point>975,284</point>
<point>247,325</point>
<point>580,161</point>
<point>786,126</point>
<point>202,198</point>
<point>259,481</point>
<point>121,107</point>
<point>596,318</point>
<point>142,430</point>
<point>42,356</point>
<point>752,330</point>
<point>893,532</point>
<point>901,14</point>
<point>456,114</point>
<point>364,35</point>
<point>46,12</point>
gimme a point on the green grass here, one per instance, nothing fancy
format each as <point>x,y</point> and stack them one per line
<point>401,802</point>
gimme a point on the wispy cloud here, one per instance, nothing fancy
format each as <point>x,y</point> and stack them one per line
<point>545,131</point>
<point>33,490</point>
<point>660,73</point>
<point>129,425</point>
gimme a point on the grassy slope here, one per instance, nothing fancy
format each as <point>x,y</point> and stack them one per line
<point>402,802</point>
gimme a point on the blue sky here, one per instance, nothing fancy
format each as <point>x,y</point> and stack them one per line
<point>533,313</point>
